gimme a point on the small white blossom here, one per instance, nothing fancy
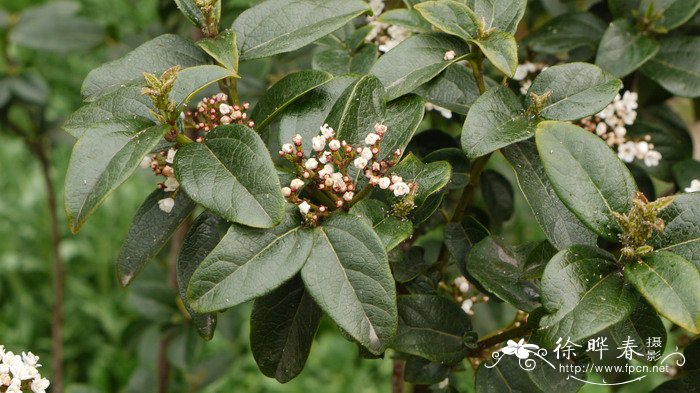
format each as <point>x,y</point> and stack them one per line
<point>642,149</point>
<point>225,120</point>
<point>324,158</point>
<point>145,163</point>
<point>326,171</point>
<point>446,113</point>
<point>367,153</point>
<point>334,145</point>
<point>166,204</point>
<point>296,184</point>
<point>627,151</point>
<point>371,138</point>
<point>467,306</point>
<point>327,131</point>
<point>380,128</point>
<point>311,164</point>
<point>348,196</point>
<point>521,72</point>
<point>444,383</point>
<point>288,148</point>
<point>297,139</point>
<point>401,189</point>
<point>396,179</point>
<point>449,55</point>
<point>318,143</point>
<point>171,156</point>
<point>525,86</point>
<point>694,186</point>
<point>360,163</point>
<point>652,158</point>
<point>225,109</point>
<point>601,128</point>
<point>384,183</point>
<point>304,207</point>
<point>39,385</point>
<point>171,184</point>
<point>286,191</point>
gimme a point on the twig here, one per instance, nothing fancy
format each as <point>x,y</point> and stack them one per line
<point>397,376</point>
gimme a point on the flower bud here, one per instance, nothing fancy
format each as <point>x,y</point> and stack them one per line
<point>286,191</point>
<point>384,183</point>
<point>311,164</point>
<point>304,207</point>
<point>296,184</point>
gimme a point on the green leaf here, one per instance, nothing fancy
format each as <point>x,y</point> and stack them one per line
<point>560,226</point>
<point>577,90</point>
<point>499,271</point>
<point>246,264</point>
<point>450,16</point>
<point>495,120</point>
<point>358,109</point>
<point>623,49</point>
<point>567,32</point>
<point>676,66</point>
<point>273,27</point>
<point>501,14</point>
<point>223,49</point>
<point>682,233</point>
<point>509,376</point>
<point>671,284</point>
<point>684,172</point>
<point>409,19</point>
<point>431,327</point>
<point>391,230</point>
<point>55,27</point>
<point>155,56</point>
<point>501,50</point>
<point>348,276</point>
<point>430,178</point>
<point>458,161</point>
<point>424,372</point>
<point>642,325</point>
<point>120,146</point>
<point>282,328</point>
<point>672,141</point>
<point>460,238</point>
<point>232,174</point>
<point>341,62</point>
<point>673,13</point>
<point>454,89</point>
<point>190,81</point>
<point>192,12</point>
<point>411,265</point>
<point>583,294</point>
<point>498,195</point>
<point>4,18</point>
<point>287,90</point>
<point>403,116</point>
<point>586,175</point>
<point>149,232</point>
<point>203,236</point>
<point>125,103</point>
<point>415,61</point>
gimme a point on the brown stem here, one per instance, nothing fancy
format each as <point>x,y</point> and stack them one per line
<point>163,365</point>
<point>397,376</point>
<point>469,190</point>
<point>515,332</point>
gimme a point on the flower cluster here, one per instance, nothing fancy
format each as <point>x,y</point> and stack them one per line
<point>525,71</point>
<point>20,373</point>
<point>386,36</point>
<point>161,165</point>
<point>214,111</point>
<point>610,124</point>
<point>326,173</point>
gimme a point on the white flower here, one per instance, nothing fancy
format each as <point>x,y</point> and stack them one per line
<point>225,109</point>
<point>334,145</point>
<point>467,306</point>
<point>145,163</point>
<point>642,149</point>
<point>619,131</point>
<point>360,163</point>
<point>627,151</point>
<point>296,184</point>
<point>348,196</point>
<point>380,128</point>
<point>4,369</point>
<point>371,138</point>
<point>286,191</point>
<point>629,99</point>
<point>171,184</point>
<point>166,204</point>
<point>629,117</point>
<point>601,128</point>
<point>652,158</point>
<point>401,188</point>
<point>521,72</point>
<point>694,186</point>
<point>311,164</point>
<point>384,183</point>
<point>449,55</point>
<point>444,383</point>
<point>225,120</point>
<point>325,157</point>
<point>297,139</point>
<point>367,153</point>
<point>396,179</point>
<point>377,7</point>
<point>326,171</point>
<point>318,143</point>
<point>525,86</point>
<point>327,131</point>
<point>304,207</point>
<point>171,156</point>
<point>519,349</point>
<point>39,385</point>
<point>288,148</point>
<point>446,113</point>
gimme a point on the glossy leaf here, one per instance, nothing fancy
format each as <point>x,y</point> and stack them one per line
<point>509,376</point>
<point>673,13</point>
<point>430,178</point>
<point>232,174</point>
<point>451,17</point>
<point>586,175</point>
<point>192,12</point>
<point>149,232</point>
<point>495,120</point>
<point>246,264</point>
<point>460,238</point>
<point>583,294</point>
<point>392,230</point>
<point>340,62</point>
<point>422,371</point>
<point>284,92</point>
<point>407,18</point>
<point>671,284</point>
<point>501,14</point>
<point>501,50</point>
<point>279,26</point>
<point>349,278</point>
<point>403,116</point>
<point>427,59</point>
<point>623,49</point>
<point>567,32</point>
<point>682,233</point>
<point>498,195</point>
<point>561,227</point>
<point>223,49</point>
<point>454,89</point>
<point>642,326</point>
<point>431,327</point>
<point>120,146</point>
<point>577,90</point>
<point>192,80</point>
<point>676,66</point>
<point>282,328</point>
<point>358,109</point>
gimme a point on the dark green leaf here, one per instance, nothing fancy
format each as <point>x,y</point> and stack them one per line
<point>560,226</point>
<point>403,116</point>
<point>358,109</point>
<point>577,90</point>
<point>287,90</point>
<point>279,26</point>
<point>223,49</point>
<point>458,161</point>
<point>684,172</point>
<point>422,371</point>
<point>120,146</point>
<point>391,230</point>
<point>642,326</point>
<point>348,276</point>
<point>495,120</point>
<point>509,376</point>
<point>415,61</point>
<point>501,14</point>
<point>583,293</point>
<point>454,89</point>
<point>460,238</point>
<point>671,284</point>
<point>498,195</point>
<point>673,12</point>
<point>282,328</point>
<point>623,49</point>
<point>149,232</point>
<point>246,264</point>
<point>676,66</point>
<point>673,142</point>
<point>341,62</point>
<point>450,16</point>
<point>431,327</point>
<point>232,174</point>
<point>411,265</point>
<point>192,80</point>
<point>501,50</point>
<point>586,175</point>
<point>567,32</point>
<point>430,178</point>
<point>682,233</point>
<point>409,19</point>
<point>192,12</point>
